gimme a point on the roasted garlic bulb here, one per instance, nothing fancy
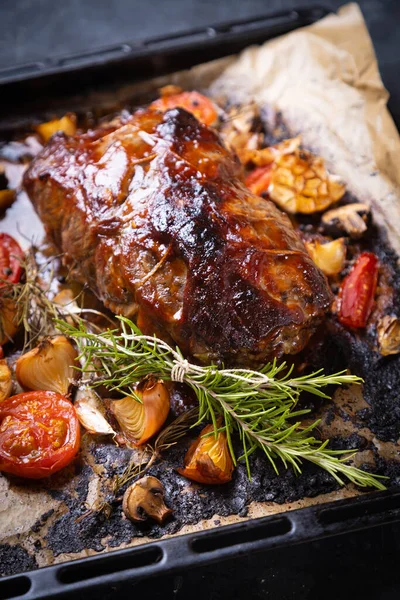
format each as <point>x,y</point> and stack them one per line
<point>330,257</point>
<point>208,459</point>
<point>50,366</point>
<point>142,416</point>
<point>298,181</point>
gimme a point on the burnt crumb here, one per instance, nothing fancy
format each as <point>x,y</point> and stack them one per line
<point>40,522</point>
<point>14,559</point>
<point>352,442</point>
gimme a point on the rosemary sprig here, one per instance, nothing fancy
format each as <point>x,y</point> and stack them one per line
<point>35,309</point>
<point>260,405</point>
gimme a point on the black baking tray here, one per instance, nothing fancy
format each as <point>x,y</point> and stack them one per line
<point>47,84</point>
<point>209,562</point>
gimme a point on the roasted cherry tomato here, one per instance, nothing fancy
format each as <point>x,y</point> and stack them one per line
<point>10,259</point>
<point>258,181</point>
<point>358,291</point>
<point>39,434</point>
<point>197,104</point>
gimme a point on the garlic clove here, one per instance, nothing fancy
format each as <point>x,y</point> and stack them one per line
<point>389,335</point>
<point>5,380</point>
<point>208,459</point>
<point>88,408</point>
<point>329,257</point>
<point>49,366</point>
<point>142,417</point>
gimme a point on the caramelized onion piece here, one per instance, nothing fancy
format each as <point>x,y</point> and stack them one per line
<point>329,257</point>
<point>389,335</point>
<point>142,417</point>
<point>67,124</point>
<point>208,459</point>
<point>7,198</point>
<point>145,498</point>
<point>8,320</point>
<point>5,380</point>
<point>49,366</point>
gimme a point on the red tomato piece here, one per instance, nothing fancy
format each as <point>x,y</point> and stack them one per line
<point>197,104</point>
<point>10,259</point>
<point>358,291</point>
<point>39,434</point>
<point>259,180</point>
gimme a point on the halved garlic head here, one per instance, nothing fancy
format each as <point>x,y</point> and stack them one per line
<point>89,410</point>
<point>67,124</point>
<point>329,257</point>
<point>208,459</point>
<point>49,366</point>
<point>300,183</point>
<point>5,380</point>
<point>8,320</point>
<point>142,417</point>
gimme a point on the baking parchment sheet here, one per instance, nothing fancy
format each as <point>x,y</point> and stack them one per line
<point>325,81</point>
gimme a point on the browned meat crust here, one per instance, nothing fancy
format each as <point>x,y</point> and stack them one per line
<point>150,211</point>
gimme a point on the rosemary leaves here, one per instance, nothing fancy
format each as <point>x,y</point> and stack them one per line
<point>260,406</point>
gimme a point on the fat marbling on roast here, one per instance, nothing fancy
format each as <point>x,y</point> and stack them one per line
<point>151,212</point>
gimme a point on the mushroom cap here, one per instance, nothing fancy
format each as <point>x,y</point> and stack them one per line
<point>145,498</point>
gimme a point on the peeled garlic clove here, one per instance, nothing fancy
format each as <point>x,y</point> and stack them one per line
<point>5,380</point>
<point>8,320</point>
<point>329,257</point>
<point>208,459</point>
<point>145,498</point>
<point>49,366</point>
<point>140,420</point>
<point>89,411</point>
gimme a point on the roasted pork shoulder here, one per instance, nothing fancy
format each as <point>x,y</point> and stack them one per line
<point>151,212</point>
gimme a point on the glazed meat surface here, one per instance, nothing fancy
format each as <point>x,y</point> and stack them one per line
<point>150,211</point>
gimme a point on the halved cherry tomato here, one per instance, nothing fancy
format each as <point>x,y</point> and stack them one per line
<point>10,263</point>
<point>258,181</point>
<point>39,434</point>
<point>358,291</point>
<point>197,104</point>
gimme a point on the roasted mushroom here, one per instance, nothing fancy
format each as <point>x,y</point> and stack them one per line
<point>351,219</point>
<point>389,335</point>
<point>145,498</point>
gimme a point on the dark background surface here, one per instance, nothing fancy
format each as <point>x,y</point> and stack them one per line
<point>363,565</point>
<point>35,29</point>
